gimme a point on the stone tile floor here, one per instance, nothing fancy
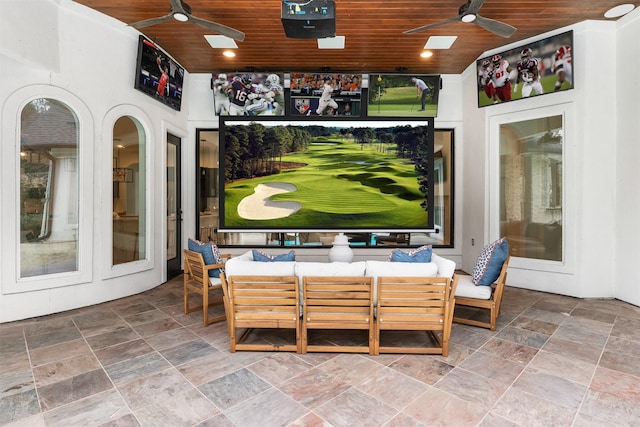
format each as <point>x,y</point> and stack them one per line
<point>554,361</point>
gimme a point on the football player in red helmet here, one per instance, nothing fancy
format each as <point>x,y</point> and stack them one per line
<point>562,67</point>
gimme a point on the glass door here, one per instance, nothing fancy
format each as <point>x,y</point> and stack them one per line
<point>174,208</point>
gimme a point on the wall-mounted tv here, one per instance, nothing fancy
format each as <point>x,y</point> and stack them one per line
<point>325,94</point>
<point>344,174</point>
<point>537,68</point>
<point>403,95</point>
<point>248,94</point>
<point>158,75</point>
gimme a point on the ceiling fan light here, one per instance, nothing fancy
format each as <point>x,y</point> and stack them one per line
<point>618,11</point>
<point>469,17</point>
<point>180,17</point>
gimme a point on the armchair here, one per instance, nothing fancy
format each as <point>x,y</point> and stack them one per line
<point>482,297</point>
<point>197,280</point>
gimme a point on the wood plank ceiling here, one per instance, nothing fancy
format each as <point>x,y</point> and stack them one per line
<point>373,29</point>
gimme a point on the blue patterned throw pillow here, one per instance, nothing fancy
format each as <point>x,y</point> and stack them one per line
<point>210,254</point>
<point>261,256</point>
<point>421,254</point>
<point>489,263</point>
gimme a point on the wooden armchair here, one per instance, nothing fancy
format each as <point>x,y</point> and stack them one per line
<point>491,302</point>
<point>197,280</point>
<point>337,303</point>
<point>262,302</point>
<point>415,304</point>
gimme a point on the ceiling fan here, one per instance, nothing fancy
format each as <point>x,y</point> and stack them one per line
<point>181,11</point>
<point>468,12</point>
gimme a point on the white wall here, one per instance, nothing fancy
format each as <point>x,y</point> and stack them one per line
<point>61,48</point>
<point>590,170</point>
<point>627,202</point>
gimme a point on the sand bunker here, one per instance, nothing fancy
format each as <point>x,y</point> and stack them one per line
<point>260,206</point>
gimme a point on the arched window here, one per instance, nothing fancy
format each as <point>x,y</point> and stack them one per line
<point>49,183</point>
<point>129,191</point>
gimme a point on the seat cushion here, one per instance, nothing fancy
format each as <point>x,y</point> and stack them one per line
<point>210,254</point>
<point>466,288</point>
<point>489,263</point>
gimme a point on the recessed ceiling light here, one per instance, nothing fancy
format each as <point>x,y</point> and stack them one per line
<point>229,53</point>
<point>618,11</point>
<point>426,54</point>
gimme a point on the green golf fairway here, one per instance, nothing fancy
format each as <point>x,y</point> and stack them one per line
<point>340,184</point>
<point>401,101</point>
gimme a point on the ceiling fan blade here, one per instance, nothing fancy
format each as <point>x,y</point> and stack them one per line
<point>496,27</point>
<point>430,26</point>
<point>176,6</point>
<point>152,21</point>
<point>217,28</point>
<point>473,6</point>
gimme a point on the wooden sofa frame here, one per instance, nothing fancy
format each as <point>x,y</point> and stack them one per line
<point>338,303</point>
<point>261,302</point>
<point>415,304</point>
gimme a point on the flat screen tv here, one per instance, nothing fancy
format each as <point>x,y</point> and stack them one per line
<point>248,94</point>
<point>344,174</point>
<point>537,68</point>
<point>158,75</point>
<point>325,94</point>
<point>403,95</point>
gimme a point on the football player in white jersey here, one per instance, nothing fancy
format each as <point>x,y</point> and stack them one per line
<point>562,67</point>
<point>500,77</point>
<point>484,80</point>
<point>257,101</point>
<point>528,72</point>
<point>221,100</point>
<point>275,93</point>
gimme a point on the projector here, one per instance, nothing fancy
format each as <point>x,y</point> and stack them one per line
<point>314,19</point>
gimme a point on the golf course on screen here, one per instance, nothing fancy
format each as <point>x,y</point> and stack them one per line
<point>396,96</point>
<point>336,182</point>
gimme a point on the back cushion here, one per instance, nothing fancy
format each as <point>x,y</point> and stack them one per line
<point>244,267</point>
<point>331,269</point>
<point>489,263</point>
<point>398,269</point>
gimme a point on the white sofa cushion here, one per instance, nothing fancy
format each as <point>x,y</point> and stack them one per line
<point>398,269</point>
<point>241,266</point>
<point>466,288</point>
<point>446,267</point>
<point>332,269</point>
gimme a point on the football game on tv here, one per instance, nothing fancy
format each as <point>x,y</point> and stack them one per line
<point>338,175</point>
<point>158,75</point>
<point>248,94</point>
<point>537,68</point>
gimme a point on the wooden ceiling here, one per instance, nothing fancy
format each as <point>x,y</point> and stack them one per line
<point>373,29</point>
